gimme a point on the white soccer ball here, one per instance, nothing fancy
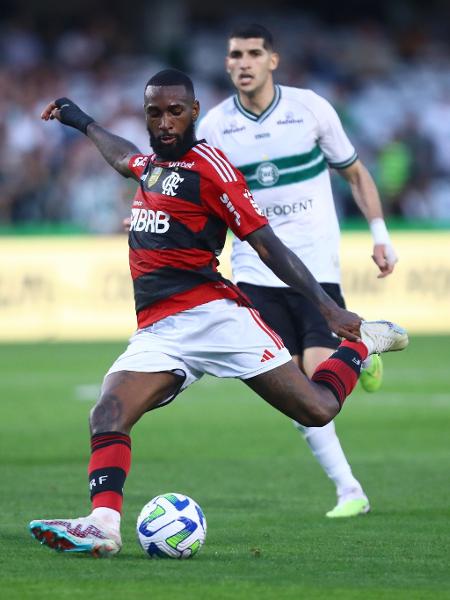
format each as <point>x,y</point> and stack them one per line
<point>171,526</point>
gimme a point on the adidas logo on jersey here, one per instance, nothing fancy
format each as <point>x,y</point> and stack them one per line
<point>267,355</point>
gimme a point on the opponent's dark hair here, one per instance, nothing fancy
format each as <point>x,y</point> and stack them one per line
<point>253,30</point>
<point>172,77</point>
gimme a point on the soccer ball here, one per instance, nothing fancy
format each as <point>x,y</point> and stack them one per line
<point>171,526</point>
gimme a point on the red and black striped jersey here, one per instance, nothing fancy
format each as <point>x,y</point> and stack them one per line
<point>180,216</point>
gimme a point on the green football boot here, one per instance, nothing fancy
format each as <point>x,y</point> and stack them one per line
<point>371,377</point>
<point>349,508</point>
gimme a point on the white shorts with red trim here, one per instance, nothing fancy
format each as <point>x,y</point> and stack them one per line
<point>220,338</point>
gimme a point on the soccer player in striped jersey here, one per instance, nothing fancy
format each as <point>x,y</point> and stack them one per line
<point>190,318</point>
<point>284,139</point>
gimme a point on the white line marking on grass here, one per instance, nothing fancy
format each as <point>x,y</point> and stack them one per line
<point>87,392</point>
<point>416,375</point>
<point>415,399</point>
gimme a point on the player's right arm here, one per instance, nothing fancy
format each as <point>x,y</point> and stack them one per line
<point>116,150</point>
<point>226,195</point>
<point>289,268</point>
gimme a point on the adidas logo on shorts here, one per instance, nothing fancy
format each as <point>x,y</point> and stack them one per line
<point>267,355</point>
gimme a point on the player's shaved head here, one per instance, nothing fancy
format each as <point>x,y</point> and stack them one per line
<point>253,30</point>
<point>170,77</point>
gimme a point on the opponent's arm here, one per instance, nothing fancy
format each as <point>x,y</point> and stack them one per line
<point>366,196</point>
<point>290,269</point>
<point>114,149</point>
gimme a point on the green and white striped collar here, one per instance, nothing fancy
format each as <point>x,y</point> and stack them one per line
<point>263,116</point>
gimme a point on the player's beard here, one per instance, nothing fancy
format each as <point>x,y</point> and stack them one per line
<point>178,149</point>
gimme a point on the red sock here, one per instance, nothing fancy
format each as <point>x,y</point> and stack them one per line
<point>340,372</point>
<point>108,468</point>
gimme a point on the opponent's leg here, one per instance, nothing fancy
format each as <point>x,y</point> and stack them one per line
<point>326,448</point>
<point>125,397</point>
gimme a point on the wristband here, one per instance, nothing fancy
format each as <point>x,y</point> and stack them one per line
<point>379,231</point>
<point>72,115</point>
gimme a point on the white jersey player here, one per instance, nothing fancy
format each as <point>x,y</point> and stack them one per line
<point>284,140</point>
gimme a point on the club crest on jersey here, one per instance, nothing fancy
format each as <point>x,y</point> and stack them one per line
<point>153,176</point>
<point>267,174</point>
<point>170,184</point>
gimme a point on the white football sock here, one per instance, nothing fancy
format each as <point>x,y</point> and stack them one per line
<point>366,363</point>
<point>108,517</point>
<point>326,447</point>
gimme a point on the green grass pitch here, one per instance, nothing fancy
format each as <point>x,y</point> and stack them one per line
<point>263,494</point>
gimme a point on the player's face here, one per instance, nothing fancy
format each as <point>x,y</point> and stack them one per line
<point>250,65</point>
<point>170,114</point>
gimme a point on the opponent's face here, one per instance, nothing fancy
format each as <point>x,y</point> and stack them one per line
<point>249,64</point>
<point>170,113</point>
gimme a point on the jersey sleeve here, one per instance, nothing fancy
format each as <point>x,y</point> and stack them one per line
<point>225,194</point>
<point>137,164</point>
<point>332,138</point>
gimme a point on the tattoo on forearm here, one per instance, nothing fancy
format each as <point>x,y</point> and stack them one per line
<point>112,147</point>
<point>290,269</point>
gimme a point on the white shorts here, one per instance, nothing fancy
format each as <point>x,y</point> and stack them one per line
<point>219,338</point>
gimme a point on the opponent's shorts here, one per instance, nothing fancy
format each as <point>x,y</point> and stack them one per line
<point>220,338</point>
<point>295,318</point>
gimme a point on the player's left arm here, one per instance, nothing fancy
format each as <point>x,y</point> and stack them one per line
<point>366,196</point>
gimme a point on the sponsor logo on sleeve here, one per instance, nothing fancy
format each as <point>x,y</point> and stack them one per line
<point>247,194</point>
<point>140,161</point>
<point>225,200</point>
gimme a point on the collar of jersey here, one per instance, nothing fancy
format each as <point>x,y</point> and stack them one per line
<point>263,116</point>
<point>154,160</point>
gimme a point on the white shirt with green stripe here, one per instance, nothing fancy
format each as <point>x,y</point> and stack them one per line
<point>284,154</point>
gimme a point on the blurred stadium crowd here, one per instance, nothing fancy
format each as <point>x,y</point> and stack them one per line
<point>392,92</point>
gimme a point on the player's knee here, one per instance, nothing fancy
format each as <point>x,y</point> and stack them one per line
<point>319,416</point>
<point>107,414</point>
<point>314,414</point>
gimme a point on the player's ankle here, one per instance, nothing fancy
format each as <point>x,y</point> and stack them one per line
<point>108,517</point>
<point>360,348</point>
